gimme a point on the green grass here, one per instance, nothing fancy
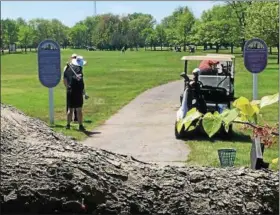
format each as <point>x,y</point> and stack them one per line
<point>114,79</point>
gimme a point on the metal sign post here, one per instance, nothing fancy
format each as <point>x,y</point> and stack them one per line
<point>49,69</point>
<point>51,106</point>
<point>255,86</point>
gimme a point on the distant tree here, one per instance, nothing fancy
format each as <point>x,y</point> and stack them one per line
<point>262,20</point>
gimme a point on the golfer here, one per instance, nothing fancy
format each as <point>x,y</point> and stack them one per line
<point>75,118</point>
<point>207,67</point>
<point>74,83</point>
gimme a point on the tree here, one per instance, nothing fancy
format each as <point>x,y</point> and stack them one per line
<point>25,36</point>
<point>262,21</point>
<point>160,35</point>
<point>218,26</point>
<point>240,8</point>
<point>77,35</point>
<point>138,22</point>
<point>58,32</point>
<point>184,25</point>
<point>10,32</point>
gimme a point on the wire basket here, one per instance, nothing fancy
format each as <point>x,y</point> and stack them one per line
<point>227,157</point>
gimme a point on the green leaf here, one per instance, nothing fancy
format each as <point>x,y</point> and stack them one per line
<point>191,115</point>
<point>269,100</point>
<point>228,116</point>
<point>212,123</point>
<point>245,106</point>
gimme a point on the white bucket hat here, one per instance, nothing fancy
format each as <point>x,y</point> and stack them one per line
<point>74,55</point>
<point>79,61</point>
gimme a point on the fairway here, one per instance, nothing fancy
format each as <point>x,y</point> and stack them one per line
<point>114,79</point>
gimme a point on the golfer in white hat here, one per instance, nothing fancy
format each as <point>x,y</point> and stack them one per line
<point>74,83</point>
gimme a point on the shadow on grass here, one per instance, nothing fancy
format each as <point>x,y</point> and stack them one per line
<point>235,137</point>
<point>57,126</point>
<point>90,133</point>
<point>88,121</point>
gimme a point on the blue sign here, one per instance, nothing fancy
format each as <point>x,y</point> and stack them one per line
<point>49,63</point>
<point>255,55</point>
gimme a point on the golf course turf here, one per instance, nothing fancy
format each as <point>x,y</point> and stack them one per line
<point>114,79</point>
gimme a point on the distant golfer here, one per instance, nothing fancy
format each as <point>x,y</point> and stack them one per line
<point>123,50</point>
<point>74,83</point>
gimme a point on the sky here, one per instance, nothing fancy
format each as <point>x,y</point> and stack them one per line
<point>71,12</point>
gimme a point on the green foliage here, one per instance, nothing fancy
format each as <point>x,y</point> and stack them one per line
<point>191,115</point>
<point>222,25</point>
<point>244,111</point>
<point>212,123</point>
<point>269,100</point>
<point>262,20</point>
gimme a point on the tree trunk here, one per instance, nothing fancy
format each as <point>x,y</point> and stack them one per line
<point>161,46</point>
<point>231,48</point>
<point>25,49</point>
<point>46,172</point>
<point>242,45</point>
<point>217,48</point>
<point>184,45</point>
<point>270,50</point>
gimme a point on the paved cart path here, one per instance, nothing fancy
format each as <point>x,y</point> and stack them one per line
<point>144,128</point>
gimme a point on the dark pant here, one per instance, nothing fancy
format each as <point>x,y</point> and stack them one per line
<point>75,99</point>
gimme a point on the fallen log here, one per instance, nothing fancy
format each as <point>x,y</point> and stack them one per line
<point>45,172</point>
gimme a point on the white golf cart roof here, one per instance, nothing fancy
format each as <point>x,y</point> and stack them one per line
<point>222,55</point>
<point>214,57</point>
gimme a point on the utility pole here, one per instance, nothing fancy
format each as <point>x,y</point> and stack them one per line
<point>94,8</point>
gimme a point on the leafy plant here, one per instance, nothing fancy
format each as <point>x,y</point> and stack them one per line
<point>244,112</point>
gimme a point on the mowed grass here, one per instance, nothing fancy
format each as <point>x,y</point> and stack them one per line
<point>113,79</point>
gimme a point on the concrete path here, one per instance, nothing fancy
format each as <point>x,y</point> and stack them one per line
<point>144,128</point>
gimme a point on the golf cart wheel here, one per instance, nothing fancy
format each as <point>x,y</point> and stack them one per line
<point>179,135</point>
<point>226,135</point>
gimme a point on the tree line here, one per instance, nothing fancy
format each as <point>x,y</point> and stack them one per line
<point>229,24</point>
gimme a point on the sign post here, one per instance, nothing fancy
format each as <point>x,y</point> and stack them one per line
<point>255,60</point>
<point>49,69</point>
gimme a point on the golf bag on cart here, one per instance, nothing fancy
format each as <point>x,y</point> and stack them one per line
<point>191,98</point>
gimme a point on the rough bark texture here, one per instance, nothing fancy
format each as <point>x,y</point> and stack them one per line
<point>45,172</point>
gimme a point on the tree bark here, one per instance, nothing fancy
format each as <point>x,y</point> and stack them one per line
<point>270,50</point>
<point>217,48</point>
<point>46,172</point>
<point>231,48</point>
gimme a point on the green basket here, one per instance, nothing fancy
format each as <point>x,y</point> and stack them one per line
<point>227,157</point>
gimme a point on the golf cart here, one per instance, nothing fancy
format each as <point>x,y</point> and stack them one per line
<point>207,92</point>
